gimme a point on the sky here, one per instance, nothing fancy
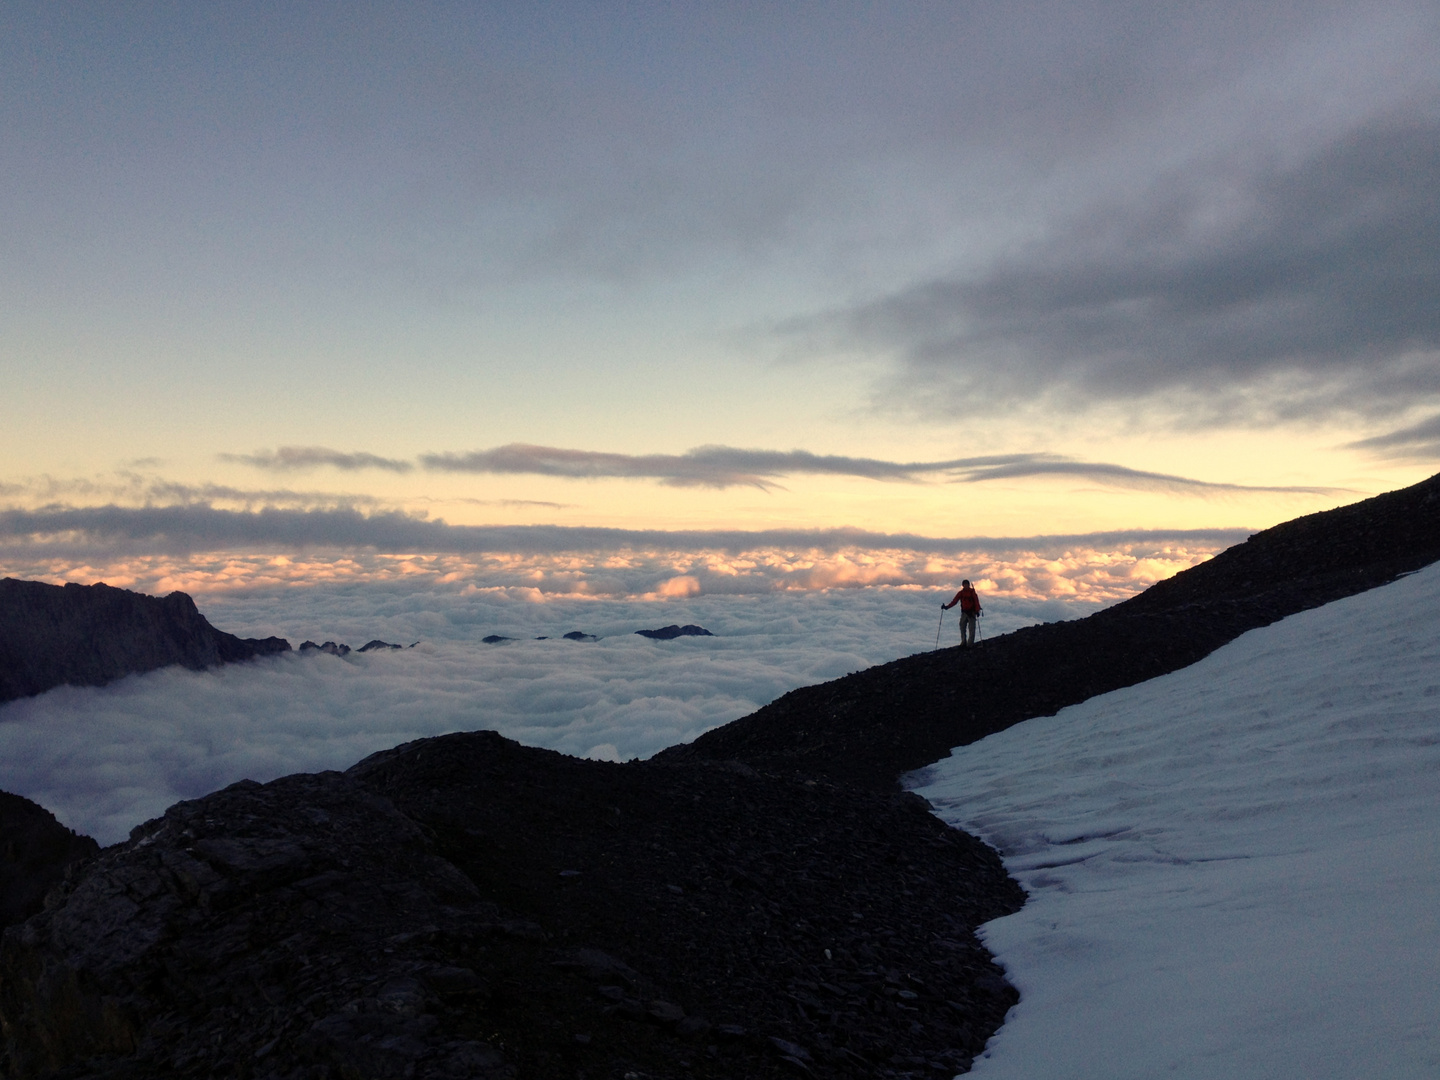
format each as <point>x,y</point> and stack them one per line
<point>706,285</point>
<point>1232,870</point>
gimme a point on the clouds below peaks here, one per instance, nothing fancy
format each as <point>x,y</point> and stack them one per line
<point>105,759</point>
<point>1238,292</point>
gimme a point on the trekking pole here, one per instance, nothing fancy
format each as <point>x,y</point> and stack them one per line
<point>979,633</point>
<point>937,629</point>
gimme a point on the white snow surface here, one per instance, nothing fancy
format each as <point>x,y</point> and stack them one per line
<point>1234,870</point>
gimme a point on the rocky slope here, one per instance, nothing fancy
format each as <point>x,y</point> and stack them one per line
<point>467,907</point>
<point>35,853</point>
<point>89,635</point>
<point>871,727</point>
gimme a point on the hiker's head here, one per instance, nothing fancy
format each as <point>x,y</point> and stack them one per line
<point>965,584</point>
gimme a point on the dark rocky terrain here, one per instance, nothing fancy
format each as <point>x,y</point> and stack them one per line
<point>467,907</point>
<point>669,633</point>
<point>36,851</point>
<point>89,635</point>
<point>762,902</point>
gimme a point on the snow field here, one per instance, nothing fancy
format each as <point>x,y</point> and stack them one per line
<point>1233,870</point>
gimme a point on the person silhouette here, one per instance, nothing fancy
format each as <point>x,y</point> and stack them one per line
<point>969,601</point>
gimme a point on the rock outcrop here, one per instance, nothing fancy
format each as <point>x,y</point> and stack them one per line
<point>36,851</point>
<point>375,644</point>
<point>89,635</point>
<point>467,907</point>
<point>669,633</point>
<point>330,648</point>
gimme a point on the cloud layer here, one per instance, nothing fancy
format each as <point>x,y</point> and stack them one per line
<point>1419,442</point>
<point>728,466</point>
<point>1236,292</point>
<point>291,458</point>
<point>182,529</point>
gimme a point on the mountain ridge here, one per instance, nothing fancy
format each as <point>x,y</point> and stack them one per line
<point>90,635</point>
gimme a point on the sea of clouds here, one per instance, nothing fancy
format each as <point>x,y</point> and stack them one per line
<point>105,759</point>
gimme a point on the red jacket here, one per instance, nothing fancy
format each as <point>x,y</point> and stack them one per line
<point>968,600</point>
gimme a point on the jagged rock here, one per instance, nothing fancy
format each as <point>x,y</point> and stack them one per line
<point>89,635</point>
<point>294,924</point>
<point>666,633</point>
<point>330,648</point>
<point>371,646</point>
<point>36,851</point>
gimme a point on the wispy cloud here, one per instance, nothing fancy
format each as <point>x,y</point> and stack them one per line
<point>1418,441</point>
<point>726,466</point>
<point>177,529</point>
<point>1121,476</point>
<point>128,488</point>
<point>297,458</point>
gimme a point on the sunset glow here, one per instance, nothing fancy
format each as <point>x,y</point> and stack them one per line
<point>943,272</point>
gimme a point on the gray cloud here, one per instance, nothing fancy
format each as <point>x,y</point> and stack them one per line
<point>1418,441</point>
<point>704,466</point>
<point>131,487</point>
<point>181,529</point>
<point>294,458</point>
<point>1121,476</point>
<point>1240,294</point>
<point>725,466</point>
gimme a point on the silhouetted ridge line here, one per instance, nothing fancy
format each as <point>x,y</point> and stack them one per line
<point>89,635</point>
<point>871,727</point>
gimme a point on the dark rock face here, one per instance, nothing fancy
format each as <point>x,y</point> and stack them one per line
<point>89,635</point>
<point>371,646</point>
<point>666,633</point>
<point>284,925</point>
<point>580,635</point>
<point>35,853</point>
<point>467,907</point>
<point>330,648</point>
<point>870,727</point>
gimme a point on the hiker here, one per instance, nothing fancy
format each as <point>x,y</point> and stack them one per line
<point>969,602</point>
